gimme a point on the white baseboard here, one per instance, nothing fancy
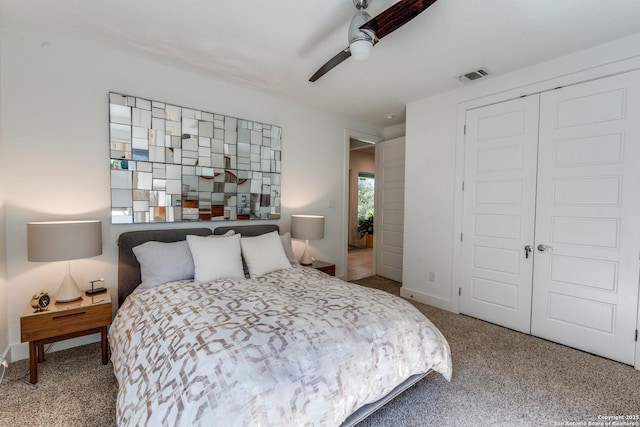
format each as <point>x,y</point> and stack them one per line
<point>21,351</point>
<point>425,298</point>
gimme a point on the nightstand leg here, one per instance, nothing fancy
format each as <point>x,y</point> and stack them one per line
<point>40,352</point>
<point>33,363</point>
<point>105,347</point>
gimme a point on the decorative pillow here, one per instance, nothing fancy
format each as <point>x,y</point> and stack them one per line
<point>162,262</point>
<point>216,258</point>
<point>264,254</point>
<point>288,250</point>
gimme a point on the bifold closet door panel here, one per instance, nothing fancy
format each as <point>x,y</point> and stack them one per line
<point>585,282</point>
<point>499,207</point>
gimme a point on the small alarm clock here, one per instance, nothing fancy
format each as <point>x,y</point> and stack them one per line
<point>40,300</point>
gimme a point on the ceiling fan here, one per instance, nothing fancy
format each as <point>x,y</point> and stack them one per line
<point>365,32</point>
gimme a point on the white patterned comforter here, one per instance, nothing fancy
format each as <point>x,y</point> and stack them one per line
<point>292,348</point>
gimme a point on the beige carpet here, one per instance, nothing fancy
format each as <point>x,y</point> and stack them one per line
<point>500,378</point>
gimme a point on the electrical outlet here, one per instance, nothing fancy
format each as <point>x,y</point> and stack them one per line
<point>432,276</point>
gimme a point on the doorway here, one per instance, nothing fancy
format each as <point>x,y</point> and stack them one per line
<point>360,260</point>
<point>366,197</point>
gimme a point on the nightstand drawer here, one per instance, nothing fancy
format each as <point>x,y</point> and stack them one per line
<point>61,322</point>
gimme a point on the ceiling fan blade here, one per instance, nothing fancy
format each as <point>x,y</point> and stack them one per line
<point>330,64</point>
<point>396,16</point>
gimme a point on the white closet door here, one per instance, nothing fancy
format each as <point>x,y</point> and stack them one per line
<point>586,287</point>
<point>389,208</point>
<point>499,211</point>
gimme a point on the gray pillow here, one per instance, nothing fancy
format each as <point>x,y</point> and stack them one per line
<point>164,262</point>
<point>288,250</point>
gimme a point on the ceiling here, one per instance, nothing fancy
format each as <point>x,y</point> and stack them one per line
<point>275,46</point>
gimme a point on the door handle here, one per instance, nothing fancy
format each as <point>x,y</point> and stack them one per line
<point>543,248</point>
<point>527,250</point>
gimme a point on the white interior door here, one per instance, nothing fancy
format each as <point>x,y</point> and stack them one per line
<point>499,211</point>
<point>585,291</point>
<point>389,206</point>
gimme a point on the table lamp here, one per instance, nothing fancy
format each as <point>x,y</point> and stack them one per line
<point>64,241</point>
<point>307,227</point>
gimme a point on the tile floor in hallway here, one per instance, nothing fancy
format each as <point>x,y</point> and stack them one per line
<point>360,263</point>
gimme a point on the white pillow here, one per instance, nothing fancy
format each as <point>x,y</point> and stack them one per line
<point>264,254</point>
<point>216,258</point>
<point>288,250</point>
<point>163,262</point>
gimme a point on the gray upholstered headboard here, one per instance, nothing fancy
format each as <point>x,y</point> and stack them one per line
<point>128,266</point>
<point>249,230</point>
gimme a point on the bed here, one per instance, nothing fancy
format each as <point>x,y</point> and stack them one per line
<point>292,346</point>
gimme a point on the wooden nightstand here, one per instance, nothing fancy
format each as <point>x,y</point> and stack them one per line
<point>326,267</point>
<point>62,321</point>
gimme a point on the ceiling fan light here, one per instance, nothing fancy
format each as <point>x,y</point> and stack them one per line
<point>360,49</point>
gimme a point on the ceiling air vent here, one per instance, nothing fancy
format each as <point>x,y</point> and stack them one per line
<point>474,75</point>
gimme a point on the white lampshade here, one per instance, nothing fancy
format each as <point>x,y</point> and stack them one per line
<point>360,49</point>
<point>307,227</point>
<point>64,241</point>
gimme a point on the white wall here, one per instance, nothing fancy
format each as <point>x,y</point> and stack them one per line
<point>54,99</point>
<point>4,331</point>
<point>434,153</point>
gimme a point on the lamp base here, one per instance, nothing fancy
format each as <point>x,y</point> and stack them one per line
<point>68,290</point>
<point>306,258</point>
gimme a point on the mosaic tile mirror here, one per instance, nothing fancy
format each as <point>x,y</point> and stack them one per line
<point>172,164</point>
